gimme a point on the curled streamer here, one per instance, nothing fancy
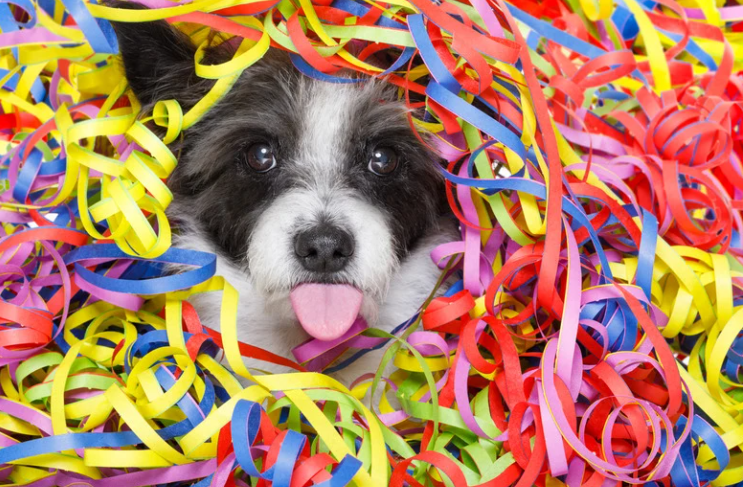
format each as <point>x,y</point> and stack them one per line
<point>592,336</point>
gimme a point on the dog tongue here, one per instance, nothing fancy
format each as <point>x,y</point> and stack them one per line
<point>326,311</point>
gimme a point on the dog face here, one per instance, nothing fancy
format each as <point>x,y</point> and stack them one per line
<point>293,181</point>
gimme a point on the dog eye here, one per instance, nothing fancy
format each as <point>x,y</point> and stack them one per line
<point>383,161</point>
<point>261,157</point>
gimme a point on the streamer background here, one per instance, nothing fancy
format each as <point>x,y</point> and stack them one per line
<point>593,338</point>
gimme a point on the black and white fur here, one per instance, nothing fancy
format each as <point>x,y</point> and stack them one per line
<point>322,135</point>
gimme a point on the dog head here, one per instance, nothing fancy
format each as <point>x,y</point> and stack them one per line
<point>316,191</point>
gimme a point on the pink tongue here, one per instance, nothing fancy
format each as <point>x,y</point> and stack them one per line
<point>326,311</point>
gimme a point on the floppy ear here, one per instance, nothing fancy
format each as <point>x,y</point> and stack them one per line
<point>158,60</point>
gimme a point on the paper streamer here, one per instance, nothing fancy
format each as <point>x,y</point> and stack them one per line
<point>593,157</point>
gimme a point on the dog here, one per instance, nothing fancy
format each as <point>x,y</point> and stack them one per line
<point>318,199</point>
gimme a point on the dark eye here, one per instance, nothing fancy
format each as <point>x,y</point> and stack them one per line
<point>261,157</point>
<point>383,161</point>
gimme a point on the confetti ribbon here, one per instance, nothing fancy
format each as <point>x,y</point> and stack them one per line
<point>592,336</point>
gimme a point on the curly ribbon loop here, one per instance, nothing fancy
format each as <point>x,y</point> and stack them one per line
<point>592,336</point>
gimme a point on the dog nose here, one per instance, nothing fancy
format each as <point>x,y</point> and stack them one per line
<point>324,248</point>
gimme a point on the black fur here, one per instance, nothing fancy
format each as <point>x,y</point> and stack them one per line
<point>212,184</point>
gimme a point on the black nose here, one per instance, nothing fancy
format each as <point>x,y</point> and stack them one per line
<point>324,248</point>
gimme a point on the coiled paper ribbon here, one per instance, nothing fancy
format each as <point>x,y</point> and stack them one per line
<point>593,337</point>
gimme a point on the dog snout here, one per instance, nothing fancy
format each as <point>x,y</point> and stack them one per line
<point>324,248</point>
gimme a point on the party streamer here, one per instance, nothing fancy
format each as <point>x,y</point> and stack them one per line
<point>593,157</point>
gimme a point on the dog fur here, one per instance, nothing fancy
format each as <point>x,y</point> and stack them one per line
<point>321,135</point>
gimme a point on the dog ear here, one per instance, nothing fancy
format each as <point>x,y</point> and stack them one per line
<point>158,60</point>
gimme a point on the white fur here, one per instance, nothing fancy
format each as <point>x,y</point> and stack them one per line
<point>274,269</point>
<point>327,112</point>
<point>393,290</point>
<point>260,325</point>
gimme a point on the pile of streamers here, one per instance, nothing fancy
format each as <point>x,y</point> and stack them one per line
<point>593,337</point>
